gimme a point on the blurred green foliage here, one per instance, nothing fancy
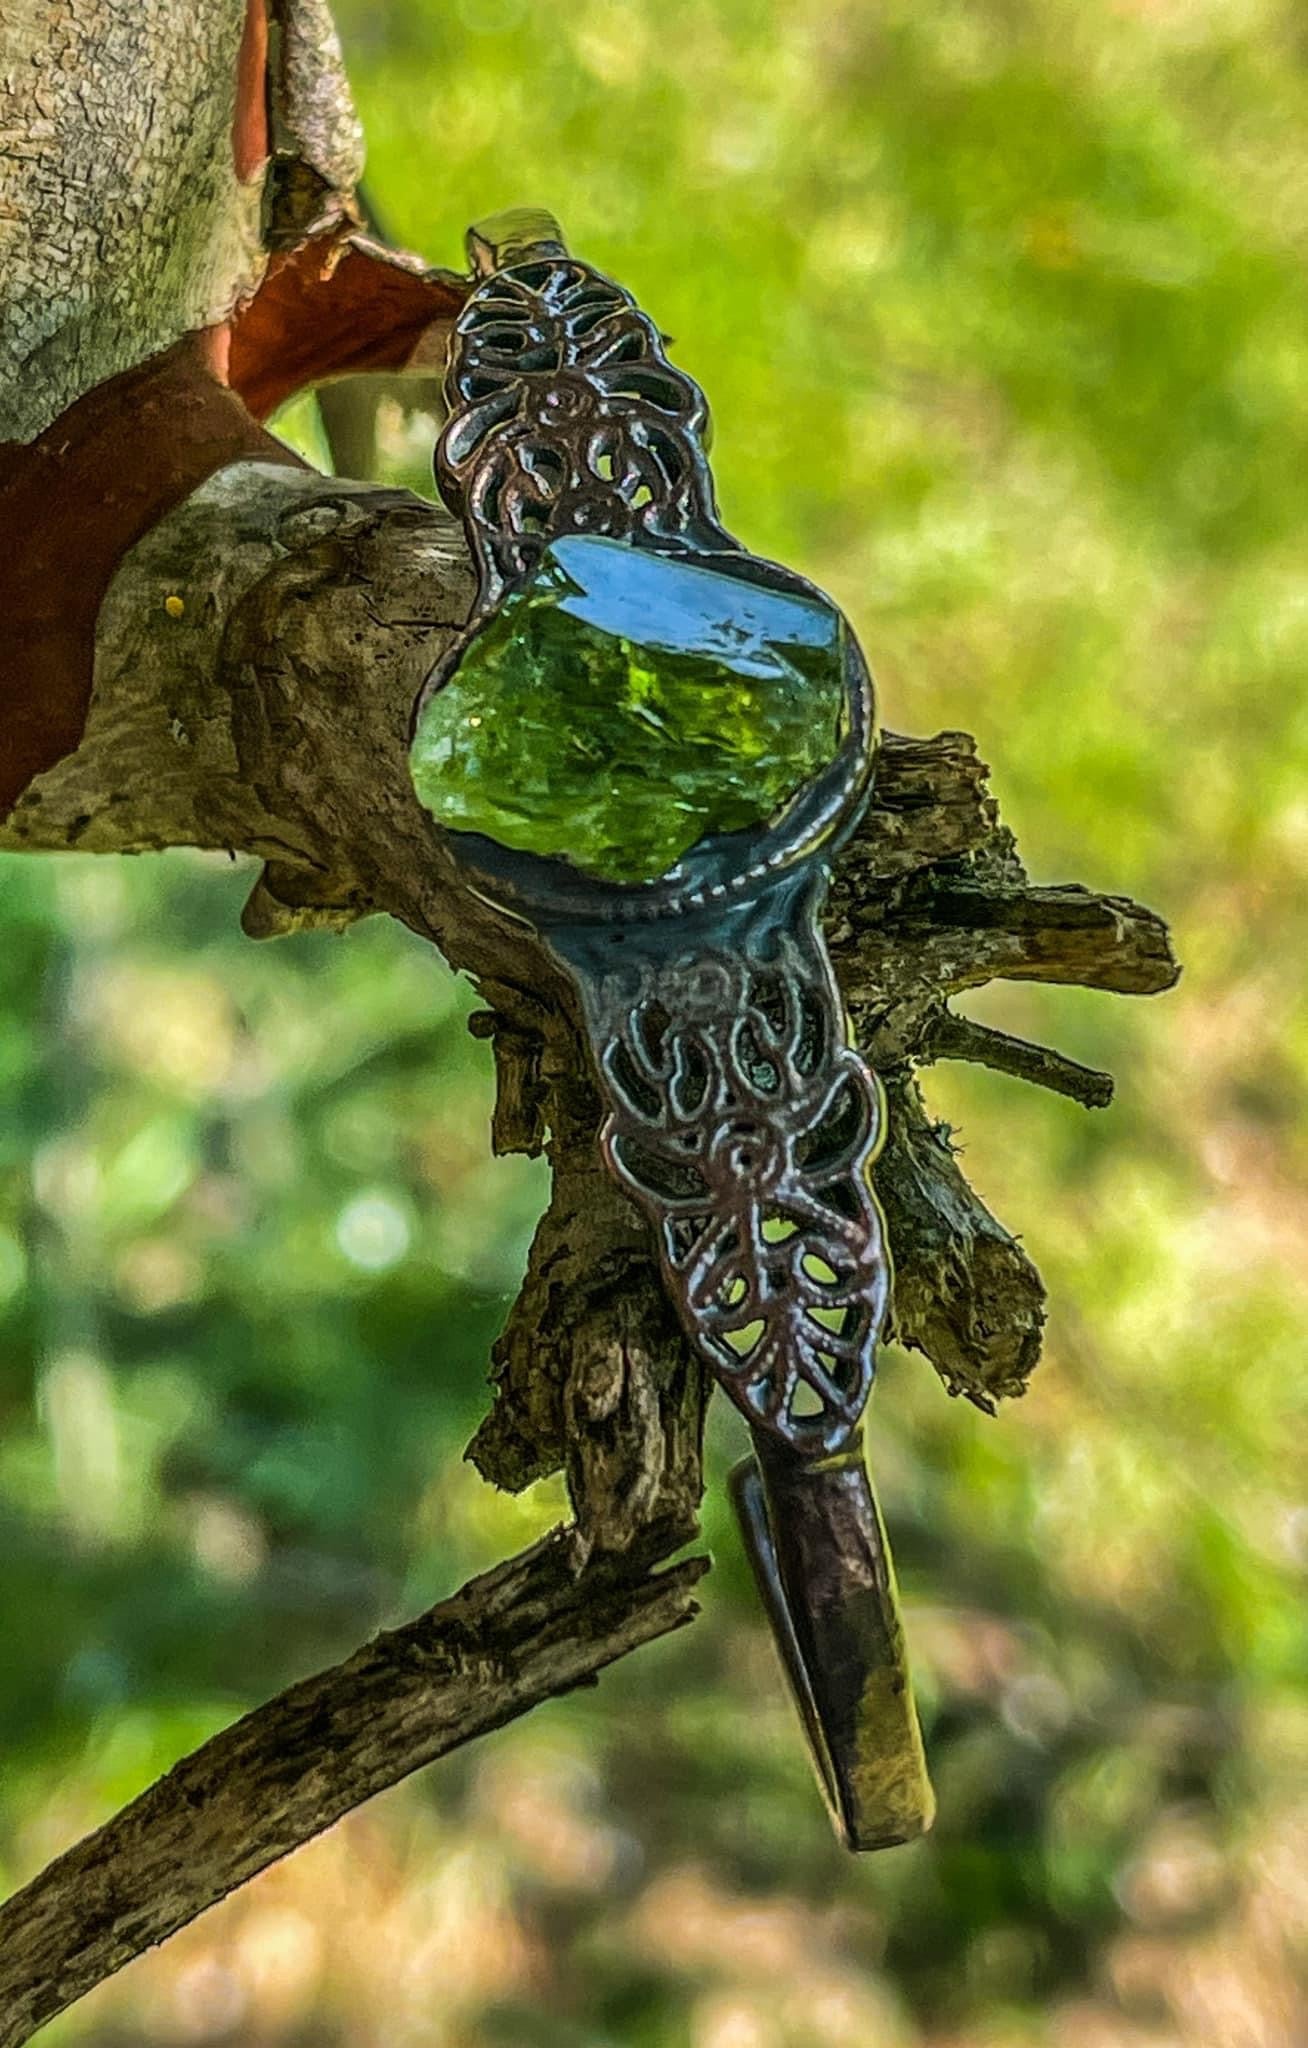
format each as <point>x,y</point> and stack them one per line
<point>1002,309</point>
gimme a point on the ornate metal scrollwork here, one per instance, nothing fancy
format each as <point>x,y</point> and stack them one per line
<point>745,1126</point>
<point>567,417</point>
<point>739,1117</point>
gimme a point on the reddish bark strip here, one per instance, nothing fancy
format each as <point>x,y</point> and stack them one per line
<point>71,504</point>
<point>250,121</point>
<point>314,317</point>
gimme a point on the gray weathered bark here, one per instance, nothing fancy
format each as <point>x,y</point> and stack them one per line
<point>173,237</point>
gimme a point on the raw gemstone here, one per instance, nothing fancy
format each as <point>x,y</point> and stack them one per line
<point>624,705</point>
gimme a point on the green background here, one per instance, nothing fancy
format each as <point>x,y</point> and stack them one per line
<point>1001,308</point>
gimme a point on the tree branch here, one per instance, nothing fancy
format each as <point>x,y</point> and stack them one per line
<point>961,1038</point>
<point>524,1632</point>
<point>968,1297</point>
<point>272,718</point>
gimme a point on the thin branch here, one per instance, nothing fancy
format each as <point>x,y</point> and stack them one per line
<point>961,1038</point>
<point>522,1633</point>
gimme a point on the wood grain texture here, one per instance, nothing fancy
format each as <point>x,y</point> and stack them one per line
<point>525,1632</point>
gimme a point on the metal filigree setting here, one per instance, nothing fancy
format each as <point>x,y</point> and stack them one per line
<point>745,1126</point>
<point>738,1116</point>
<point>567,417</point>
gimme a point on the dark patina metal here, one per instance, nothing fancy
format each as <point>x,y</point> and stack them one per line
<point>739,1117</point>
<point>744,1125</point>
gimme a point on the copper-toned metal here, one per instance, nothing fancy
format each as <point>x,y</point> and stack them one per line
<point>739,1116</point>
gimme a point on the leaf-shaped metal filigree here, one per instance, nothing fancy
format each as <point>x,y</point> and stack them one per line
<point>745,1126</point>
<point>739,1117</point>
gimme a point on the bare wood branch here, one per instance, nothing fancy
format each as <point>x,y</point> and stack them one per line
<point>524,1632</point>
<point>271,716</point>
<point>968,1296</point>
<point>273,719</point>
<point>932,803</point>
<point>910,927</point>
<point>961,1038</point>
<point>1065,934</point>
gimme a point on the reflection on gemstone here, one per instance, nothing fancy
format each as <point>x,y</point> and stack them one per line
<point>624,705</point>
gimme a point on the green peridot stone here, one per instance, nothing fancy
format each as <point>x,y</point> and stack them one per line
<point>625,705</point>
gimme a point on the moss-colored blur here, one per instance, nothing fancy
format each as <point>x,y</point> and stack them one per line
<point>1002,311</point>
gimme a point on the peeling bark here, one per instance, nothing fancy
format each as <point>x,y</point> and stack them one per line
<point>71,503</point>
<point>335,309</point>
<point>123,224</point>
